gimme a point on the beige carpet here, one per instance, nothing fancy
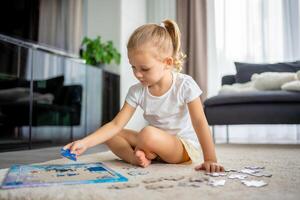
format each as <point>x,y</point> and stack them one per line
<point>280,160</point>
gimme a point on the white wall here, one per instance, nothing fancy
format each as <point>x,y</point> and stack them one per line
<point>158,10</point>
<point>213,72</point>
<point>133,14</point>
<point>115,20</point>
<point>103,18</point>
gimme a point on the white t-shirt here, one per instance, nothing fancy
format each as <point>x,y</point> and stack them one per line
<point>168,112</point>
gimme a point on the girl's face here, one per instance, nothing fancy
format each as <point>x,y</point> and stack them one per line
<point>147,68</point>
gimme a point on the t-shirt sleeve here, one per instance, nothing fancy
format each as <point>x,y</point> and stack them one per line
<point>133,95</point>
<point>190,90</point>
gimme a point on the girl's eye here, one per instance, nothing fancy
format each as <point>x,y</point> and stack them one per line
<point>145,70</point>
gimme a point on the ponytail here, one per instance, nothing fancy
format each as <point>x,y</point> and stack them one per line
<point>174,32</point>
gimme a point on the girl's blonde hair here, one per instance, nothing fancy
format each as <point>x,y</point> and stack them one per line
<point>165,37</point>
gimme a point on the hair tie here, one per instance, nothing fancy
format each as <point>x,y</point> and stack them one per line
<point>163,25</point>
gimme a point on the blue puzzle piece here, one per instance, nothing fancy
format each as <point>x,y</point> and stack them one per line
<point>66,153</point>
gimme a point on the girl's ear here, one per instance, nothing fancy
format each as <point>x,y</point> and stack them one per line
<point>168,61</point>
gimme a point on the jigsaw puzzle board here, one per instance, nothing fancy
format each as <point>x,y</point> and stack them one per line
<point>43,175</point>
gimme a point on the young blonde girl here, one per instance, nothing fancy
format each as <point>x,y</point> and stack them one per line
<point>170,101</point>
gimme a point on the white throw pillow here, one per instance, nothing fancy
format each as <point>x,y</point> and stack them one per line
<point>255,76</point>
<point>298,75</point>
<point>237,87</point>
<point>291,86</point>
<point>272,80</point>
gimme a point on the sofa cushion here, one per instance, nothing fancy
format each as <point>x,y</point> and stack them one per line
<point>254,97</point>
<point>253,113</point>
<point>291,86</point>
<point>272,80</point>
<point>244,71</point>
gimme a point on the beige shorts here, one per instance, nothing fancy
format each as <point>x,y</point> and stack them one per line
<point>193,152</point>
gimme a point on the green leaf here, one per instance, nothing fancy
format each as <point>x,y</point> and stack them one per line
<point>94,51</point>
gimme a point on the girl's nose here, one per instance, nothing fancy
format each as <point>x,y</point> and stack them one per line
<point>138,74</point>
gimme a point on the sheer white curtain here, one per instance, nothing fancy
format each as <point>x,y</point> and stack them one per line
<point>60,24</point>
<point>254,31</point>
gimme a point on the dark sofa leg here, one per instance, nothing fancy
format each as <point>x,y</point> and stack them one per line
<point>298,133</point>
<point>227,134</point>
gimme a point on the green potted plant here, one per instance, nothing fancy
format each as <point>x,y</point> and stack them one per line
<point>95,52</point>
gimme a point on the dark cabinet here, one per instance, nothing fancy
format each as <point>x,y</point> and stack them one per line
<point>50,99</point>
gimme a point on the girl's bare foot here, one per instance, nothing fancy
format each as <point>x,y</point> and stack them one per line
<point>141,158</point>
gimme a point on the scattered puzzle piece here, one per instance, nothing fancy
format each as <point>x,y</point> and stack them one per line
<point>173,178</point>
<point>123,186</point>
<point>198,179</point>
<point>152,180</point>
<point>130,168</point>
<point>137,173</point>
<point>265,174</point>
<point>249,171</point>
<point>237,176</point>
<point>67,154</point>
<point>231,170</point>
<point>189,184</point>
<point>216,174</point>
<point>254,183</point>
<point>158,186</point>
<point>257,174</point>
<point>214,182</point>
<point>261,174</point>
<point>254,167</point>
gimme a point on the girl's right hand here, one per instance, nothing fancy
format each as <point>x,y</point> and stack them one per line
<point>76,147</point>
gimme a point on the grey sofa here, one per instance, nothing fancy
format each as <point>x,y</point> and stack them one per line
<point>257,107</point>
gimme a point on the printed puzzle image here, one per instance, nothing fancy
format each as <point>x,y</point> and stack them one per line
<point>43,175</point>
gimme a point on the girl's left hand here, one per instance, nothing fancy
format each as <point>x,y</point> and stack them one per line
<point>210,166</point>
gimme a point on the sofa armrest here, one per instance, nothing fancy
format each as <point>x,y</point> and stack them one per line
<point>228,79</point>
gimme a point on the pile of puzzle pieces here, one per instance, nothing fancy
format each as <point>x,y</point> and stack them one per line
<point>248,176</point>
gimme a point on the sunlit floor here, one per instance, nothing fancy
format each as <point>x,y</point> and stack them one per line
<point>282,161</point>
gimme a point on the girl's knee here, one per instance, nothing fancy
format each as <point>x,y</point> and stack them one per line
<point>148,136</point>
<point>110,141</point>
<point>128,135</point>
<point>148,129</point>
<point>114,138</point>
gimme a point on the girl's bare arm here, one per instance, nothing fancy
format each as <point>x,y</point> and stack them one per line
<point>105,132</point>
<point>111,128</point>
<point>202,129</point>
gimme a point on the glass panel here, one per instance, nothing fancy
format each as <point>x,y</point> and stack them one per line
<point>94,98</point>
<point>49,98</point>
<point>58,98</point>
<point>14,94</point>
